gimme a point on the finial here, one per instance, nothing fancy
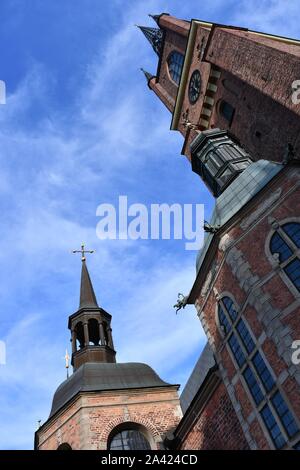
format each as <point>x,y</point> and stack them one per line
<point>39,423</point>
<point>83,251</point>
<point>67,358</point>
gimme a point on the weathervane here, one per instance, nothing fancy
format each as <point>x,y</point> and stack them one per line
<point>83,251</point>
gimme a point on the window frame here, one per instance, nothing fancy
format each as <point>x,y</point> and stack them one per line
<point>268,395</point>
<point>277,227</point>
<point>131,426</point>
<point>119,435</point>
<point>179,54</point>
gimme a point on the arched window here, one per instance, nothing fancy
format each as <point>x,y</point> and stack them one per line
<point>79,334</point>
<point>284,246</point>
<point>129,439</point>
<point>258,378</point>
<point>94,332</point>
<point>175,64</point>
<point>64,446</point>
<point>227,111</point>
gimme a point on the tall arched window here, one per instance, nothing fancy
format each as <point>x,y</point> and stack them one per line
<point>128,437</point>
<point>285,247</point>
<point>256,373</point>
<point>175,64</point>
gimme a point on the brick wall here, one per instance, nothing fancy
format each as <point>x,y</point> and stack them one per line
<point>256,78</point>
<point>217,426</point>
<point>258,119</point>
<point>244,269</point>
<point>88,421</point>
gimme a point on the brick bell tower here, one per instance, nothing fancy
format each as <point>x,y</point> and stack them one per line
<point>231,93</point>
<point>104,404</point>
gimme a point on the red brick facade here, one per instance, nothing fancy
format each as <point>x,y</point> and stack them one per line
<point>89,420</point>
<point>217,427</point>
<point>246,272</point>
<point>253,73</point>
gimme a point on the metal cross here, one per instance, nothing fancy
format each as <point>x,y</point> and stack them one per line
<point>83,251</point>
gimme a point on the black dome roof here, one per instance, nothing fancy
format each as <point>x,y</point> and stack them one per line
<point>97,376</point>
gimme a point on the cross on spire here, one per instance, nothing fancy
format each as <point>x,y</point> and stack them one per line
<point>83,251</point>
<point>87,294</point>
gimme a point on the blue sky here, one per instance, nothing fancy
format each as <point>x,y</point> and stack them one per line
<point>79,129</point>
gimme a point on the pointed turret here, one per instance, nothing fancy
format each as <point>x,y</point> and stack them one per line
<point>156,18</point>
<point>148,75</point>
<point>87,294</point>
<point>154,36</point>
<point>90,326</point>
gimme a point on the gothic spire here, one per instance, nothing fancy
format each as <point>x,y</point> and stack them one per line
<point>87,294</point>
<point>148,75</point>
<point>154,36</point>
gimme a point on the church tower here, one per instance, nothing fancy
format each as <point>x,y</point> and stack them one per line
<point>232,96</point>
<point>218,76</point>
<point>90,327</point>
<point>105,404</point>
